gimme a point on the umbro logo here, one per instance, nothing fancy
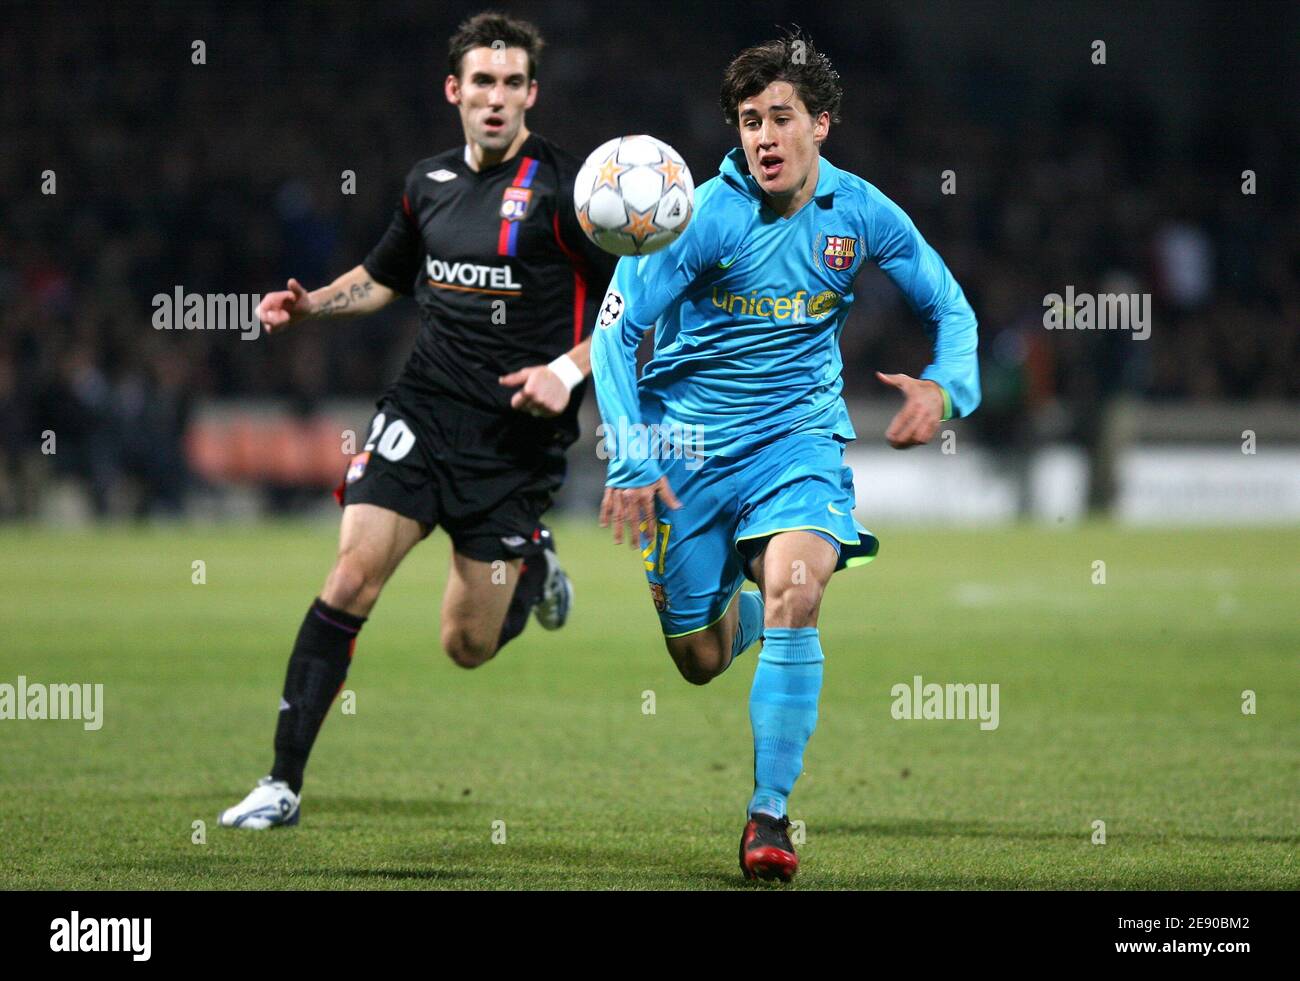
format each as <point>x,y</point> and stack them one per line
<point>441,176</point>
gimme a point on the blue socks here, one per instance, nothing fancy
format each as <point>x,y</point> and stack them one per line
<point>782,701</point>
<point>750,627</point>
<point>782,711</point>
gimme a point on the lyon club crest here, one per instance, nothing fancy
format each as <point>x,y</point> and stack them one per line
<point>514,203</point>
<point>839,252</point>
<point>357,467</point>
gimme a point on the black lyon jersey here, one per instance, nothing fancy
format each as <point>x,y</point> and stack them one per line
<point>501,271</point>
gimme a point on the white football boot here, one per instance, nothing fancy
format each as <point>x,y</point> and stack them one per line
<point>552,610</point>
<point>271,804</point>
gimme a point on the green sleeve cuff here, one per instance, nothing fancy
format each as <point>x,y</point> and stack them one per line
<point>947,404</point>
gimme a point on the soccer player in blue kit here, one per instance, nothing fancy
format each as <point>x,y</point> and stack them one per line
<point>747,307</point>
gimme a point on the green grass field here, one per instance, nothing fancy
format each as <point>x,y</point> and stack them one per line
<point>1119,702</point>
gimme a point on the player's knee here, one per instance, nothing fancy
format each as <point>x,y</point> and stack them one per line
<point>792,604</point>
<point>699,674</point>
<point>466,650</point>
<point>699,663</point>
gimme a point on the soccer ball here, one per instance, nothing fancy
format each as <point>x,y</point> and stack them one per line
<point>634,195</point>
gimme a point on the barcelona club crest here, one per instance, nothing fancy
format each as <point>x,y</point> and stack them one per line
<point>839,252</point>
<point>514,203</point>
<point>659,596</point>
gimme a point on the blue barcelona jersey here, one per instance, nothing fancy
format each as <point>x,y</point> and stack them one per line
<point>747,309</point>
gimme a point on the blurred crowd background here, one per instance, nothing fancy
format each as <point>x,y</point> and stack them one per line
<point>225,177</point>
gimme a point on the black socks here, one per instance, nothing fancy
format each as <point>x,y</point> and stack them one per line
<point>317,669</point>
<point>528,590</point>
<point>319,666</point>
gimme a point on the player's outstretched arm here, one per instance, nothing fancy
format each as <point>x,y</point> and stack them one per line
<point>641,292</point>
<point>637,297</point>
<point>917,270</point>
<point>546,387</point>
<point>352,294</point>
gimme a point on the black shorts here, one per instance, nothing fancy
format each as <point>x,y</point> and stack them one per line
<point>486,477</point>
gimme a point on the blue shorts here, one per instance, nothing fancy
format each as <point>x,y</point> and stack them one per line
<point>698,556</point>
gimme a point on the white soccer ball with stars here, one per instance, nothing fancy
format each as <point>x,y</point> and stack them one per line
<point>634,195</point>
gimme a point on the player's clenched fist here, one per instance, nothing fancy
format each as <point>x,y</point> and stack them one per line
<point>918,420</point>
<point>284,307</point>
<point>636,506</point>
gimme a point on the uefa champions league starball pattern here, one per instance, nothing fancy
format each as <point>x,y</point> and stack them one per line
<point>634,195</point>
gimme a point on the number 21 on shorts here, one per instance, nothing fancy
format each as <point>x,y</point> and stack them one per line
<point>658,542</point>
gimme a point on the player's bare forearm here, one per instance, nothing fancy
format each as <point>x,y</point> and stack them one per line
<point>353,294</point>
<point>581,356</point>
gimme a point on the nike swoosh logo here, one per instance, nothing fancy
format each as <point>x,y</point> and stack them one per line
<point>726,264</point>
<point>833,510</point>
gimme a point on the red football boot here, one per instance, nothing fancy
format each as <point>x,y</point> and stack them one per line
<point>765,849</point>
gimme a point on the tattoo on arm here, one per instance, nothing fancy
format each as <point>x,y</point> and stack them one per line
<point>334,304</point>
<point>343,299</point>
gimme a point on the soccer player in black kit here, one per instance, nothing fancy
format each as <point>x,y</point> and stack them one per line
<point>472,434</point>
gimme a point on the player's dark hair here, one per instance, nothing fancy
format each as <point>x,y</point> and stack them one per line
<point>793,59</point>
<point>485,29</point>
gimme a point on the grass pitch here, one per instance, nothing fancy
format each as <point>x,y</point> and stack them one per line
<point>1119,702</point>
